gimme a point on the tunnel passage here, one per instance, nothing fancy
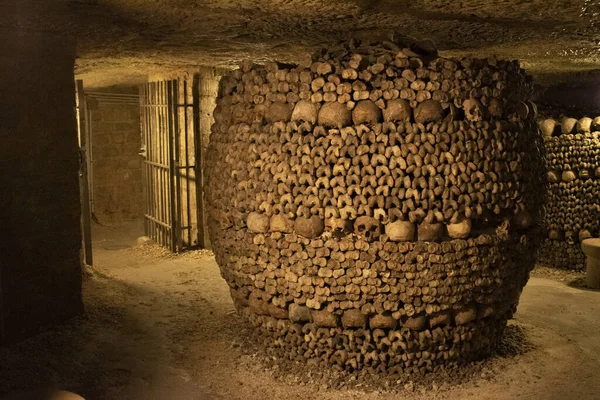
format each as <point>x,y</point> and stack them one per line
<point>376,210</point>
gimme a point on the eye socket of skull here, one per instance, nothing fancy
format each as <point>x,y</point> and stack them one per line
<point>361,228</point>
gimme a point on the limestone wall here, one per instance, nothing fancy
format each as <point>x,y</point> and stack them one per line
<point>116,179</point>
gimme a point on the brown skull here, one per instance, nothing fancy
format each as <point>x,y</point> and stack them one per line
<point>367,227</point>
<point>305,111</point>
<point>397,110</point>
<point>474,110</point>
<point>338,226</point>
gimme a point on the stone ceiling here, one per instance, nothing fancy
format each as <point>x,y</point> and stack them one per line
<point>122,41</point>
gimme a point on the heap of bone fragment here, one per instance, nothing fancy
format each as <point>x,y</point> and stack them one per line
<point>378,210</point>
<point>573,199</point>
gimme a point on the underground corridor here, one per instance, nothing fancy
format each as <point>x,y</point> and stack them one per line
<point>300,199</point>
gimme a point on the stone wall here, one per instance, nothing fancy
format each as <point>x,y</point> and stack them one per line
<point>208,88</point>
<point>116,179</point>
<point>40,266</point>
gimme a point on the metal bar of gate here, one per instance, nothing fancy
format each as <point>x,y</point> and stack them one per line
<point>86,214</point>
<point>159,148</point>
<point>169,110</point>
<point>156,166</point>
<point>198,170</point>
<point>171,124</point>
<point>187,163</point>
<point>144,153</point>
<point>176,173</point>
<point>165,158</point>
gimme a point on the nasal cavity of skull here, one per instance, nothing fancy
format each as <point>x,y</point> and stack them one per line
<point>339,232</point>
<point>368,230</point>
<point>459,115</point>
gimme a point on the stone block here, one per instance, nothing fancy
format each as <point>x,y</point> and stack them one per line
<point>591,248</point>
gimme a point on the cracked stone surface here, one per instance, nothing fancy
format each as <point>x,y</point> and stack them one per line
<point>123,41</point>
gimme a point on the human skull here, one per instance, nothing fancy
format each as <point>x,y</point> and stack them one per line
<point>366,112</point>
<point>281,223</point>
<point>309,227</point>
<point>260,112</point>
<point>334,115</point>
<point>400,231</point>
<point>257,222</point>
<point>584,234</point>
<point>278,111</point>
<point>547,127</point>
<point>397,110</point>
<point>367,227</point>
<point>460,229</point>
<point>523,110</point>
<point>495,108</point>
<point>552,177</point>
<point>305,111</point>
<point>584,125</point>
<point>555,234</point>
<point>568,176</point>
<point>429,111</point>
<point>338,226</point>
<point>474,110</point>
<point>568,125</point>
<point>240,113</point>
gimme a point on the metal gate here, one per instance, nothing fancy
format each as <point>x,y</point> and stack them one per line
<point>171,150</point>
<point>83,132</point>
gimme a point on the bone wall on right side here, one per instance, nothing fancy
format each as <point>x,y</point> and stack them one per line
<point>573,182</point>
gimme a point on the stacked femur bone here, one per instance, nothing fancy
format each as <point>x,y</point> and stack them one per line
<point>379,209</point>
<point>573,179</point>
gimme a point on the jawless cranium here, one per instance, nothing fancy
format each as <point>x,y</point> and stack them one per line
<point>305,111</point>
<point>338,226</point>
<point>367,227</point>
<point>474,110</point>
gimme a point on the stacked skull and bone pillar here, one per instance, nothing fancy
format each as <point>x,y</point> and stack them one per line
<point>573,179</point>
<point>377,209</point>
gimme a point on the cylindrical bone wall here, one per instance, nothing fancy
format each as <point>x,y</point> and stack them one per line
<point>376,210</point>
<point>573,181</point>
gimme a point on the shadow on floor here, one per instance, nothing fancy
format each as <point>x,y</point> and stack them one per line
<point>84,355</point>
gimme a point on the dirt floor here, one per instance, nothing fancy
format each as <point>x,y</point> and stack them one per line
<point>159,326</point>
